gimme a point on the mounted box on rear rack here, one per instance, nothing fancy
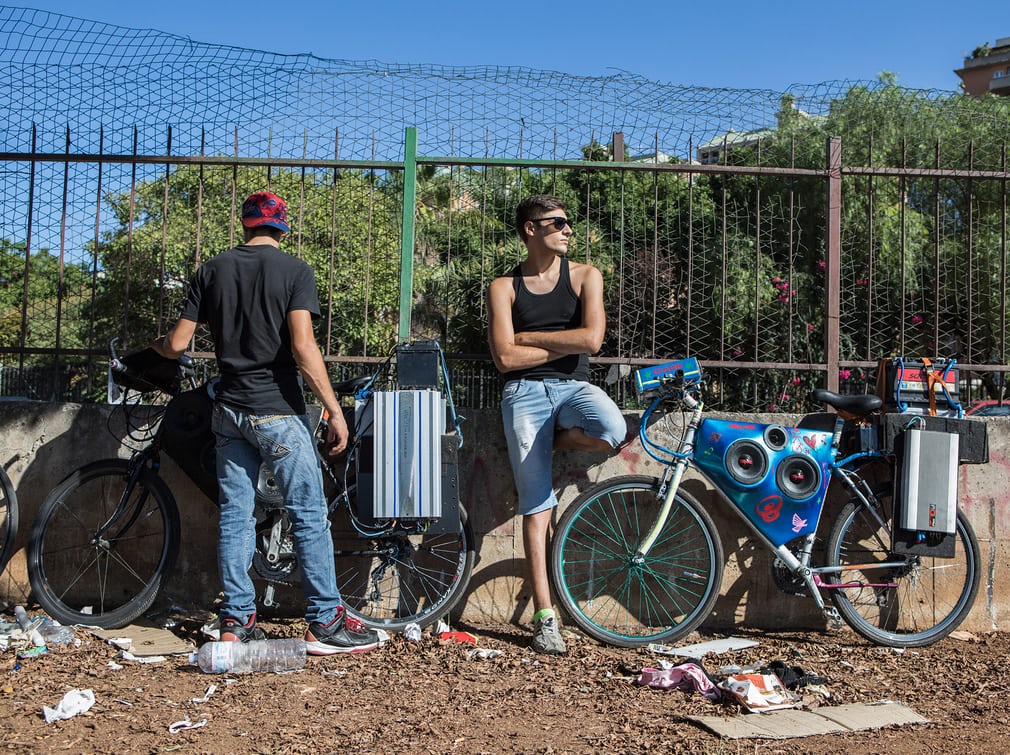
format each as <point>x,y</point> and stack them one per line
<point>919,386</point>
<point>973,443</point>
<point>925,494</point>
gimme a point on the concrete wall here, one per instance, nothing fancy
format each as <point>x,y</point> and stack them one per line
<point>40,443</point>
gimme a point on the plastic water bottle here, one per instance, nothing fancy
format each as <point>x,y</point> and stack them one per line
<point>244,657</point>
<point>22,616</point>
<point>56,634</point>
<point>28,626</point>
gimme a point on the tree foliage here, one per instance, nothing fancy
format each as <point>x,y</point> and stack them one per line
<point>342,225</point>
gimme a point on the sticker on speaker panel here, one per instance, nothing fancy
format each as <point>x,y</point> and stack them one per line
<point>812,442</point>
<point>769,508</point>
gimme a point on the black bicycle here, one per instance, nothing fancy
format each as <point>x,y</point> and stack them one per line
<point>8,518</point>
<point>106,538</point>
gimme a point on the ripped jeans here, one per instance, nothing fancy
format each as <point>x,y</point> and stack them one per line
<point>285,442</point>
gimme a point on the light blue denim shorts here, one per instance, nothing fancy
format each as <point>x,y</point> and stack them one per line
<point>532,411</point>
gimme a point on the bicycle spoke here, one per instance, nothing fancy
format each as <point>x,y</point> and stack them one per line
<point>108,580</point>
<point>909,605</point>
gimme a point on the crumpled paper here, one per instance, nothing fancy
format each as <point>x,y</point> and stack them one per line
<point>74,702</point>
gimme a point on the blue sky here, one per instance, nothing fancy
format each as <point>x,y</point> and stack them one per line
<point>730,44</point>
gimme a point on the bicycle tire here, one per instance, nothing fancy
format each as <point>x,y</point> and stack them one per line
<point>8,519</point>
<point>391,581</point>
<point>932,597</point>
<point>112,582</point>
<point>607,593</point>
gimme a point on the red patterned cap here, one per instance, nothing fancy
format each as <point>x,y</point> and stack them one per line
<point>264,208</point>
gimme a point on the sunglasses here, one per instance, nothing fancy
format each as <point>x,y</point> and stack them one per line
<point>559,222</point>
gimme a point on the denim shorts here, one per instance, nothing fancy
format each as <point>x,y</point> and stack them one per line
<point>532,411</point>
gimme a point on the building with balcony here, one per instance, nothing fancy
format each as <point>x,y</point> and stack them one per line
<point>987,70</point>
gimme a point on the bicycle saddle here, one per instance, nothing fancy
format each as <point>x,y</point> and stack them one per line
<point>858,406</point>
<point>350,387</point>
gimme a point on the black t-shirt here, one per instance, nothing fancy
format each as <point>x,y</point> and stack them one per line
<point>244,295</point>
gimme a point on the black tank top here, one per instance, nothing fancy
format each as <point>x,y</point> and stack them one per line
<point>559,309</point>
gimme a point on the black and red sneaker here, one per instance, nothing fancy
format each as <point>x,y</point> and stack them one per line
<point>233,630</point>
<point>345,634</point>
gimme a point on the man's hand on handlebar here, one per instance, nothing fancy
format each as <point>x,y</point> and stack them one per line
<point>175,342</point>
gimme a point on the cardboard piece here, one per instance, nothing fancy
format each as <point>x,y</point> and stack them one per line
<point>787,724</point>
<point>145,641</point>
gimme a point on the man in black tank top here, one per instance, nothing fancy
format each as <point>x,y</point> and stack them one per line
<point>545,318</point>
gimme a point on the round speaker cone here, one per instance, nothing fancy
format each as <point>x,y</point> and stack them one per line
<point>776,438</point>
<point>746,461</point>
<point>798,477</point>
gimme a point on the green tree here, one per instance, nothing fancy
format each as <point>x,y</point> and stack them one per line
<point>344,224</point>
<point>52,288</point>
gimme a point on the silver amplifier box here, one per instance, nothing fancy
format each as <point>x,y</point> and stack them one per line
<point>928,482</point>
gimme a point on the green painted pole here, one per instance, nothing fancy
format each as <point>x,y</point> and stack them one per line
<point>407,231</point>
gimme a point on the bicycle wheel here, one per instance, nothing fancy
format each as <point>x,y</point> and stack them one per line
<point>391,581</point>
<point>83,572</point>
<point>8,518</point>
<point>914,604</point>
<point>629,602</point>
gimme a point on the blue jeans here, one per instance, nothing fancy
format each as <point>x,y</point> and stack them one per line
<point>285,443</point>
<point>532,411</point>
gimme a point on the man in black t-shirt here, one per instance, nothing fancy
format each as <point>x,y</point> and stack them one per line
<point>259,304</point>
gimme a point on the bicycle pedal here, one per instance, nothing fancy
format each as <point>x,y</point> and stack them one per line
<point>833,617</point>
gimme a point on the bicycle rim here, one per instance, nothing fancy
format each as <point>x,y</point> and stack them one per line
<point>392,581</point>
<point>618,599</point>
<point>107,580</point>
<point>927,598</point>
<point>8,519</point>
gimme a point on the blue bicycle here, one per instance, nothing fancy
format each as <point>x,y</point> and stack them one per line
<point>637,559</point>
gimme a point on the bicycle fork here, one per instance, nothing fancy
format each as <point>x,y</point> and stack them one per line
<point>671,480</point>
<point>136,470</point>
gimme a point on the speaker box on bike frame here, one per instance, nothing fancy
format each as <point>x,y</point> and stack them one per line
<point>775,475</point>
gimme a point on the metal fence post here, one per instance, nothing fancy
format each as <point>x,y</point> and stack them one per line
<point>833,264</point>
<point>407,231</point>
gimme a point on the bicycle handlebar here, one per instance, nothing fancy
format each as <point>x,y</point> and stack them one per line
<point>147,370</point>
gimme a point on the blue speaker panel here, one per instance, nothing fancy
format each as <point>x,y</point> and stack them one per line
<point>738,458</point>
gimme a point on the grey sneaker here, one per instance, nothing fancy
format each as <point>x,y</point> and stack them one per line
<point>547,637</point>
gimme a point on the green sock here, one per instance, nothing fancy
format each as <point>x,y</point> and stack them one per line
<point>542,613</point>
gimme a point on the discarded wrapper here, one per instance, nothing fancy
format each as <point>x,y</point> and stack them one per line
<point>74,702</point>
<point>464,637</point>
<point>412,632</point>
<point>483,653</point>
<point>185,724</point>
<point>760,692</point>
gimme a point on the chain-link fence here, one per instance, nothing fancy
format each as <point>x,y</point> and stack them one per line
<point>789,240</point>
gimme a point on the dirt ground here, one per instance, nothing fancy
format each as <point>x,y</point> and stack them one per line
<point>431,697</point>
